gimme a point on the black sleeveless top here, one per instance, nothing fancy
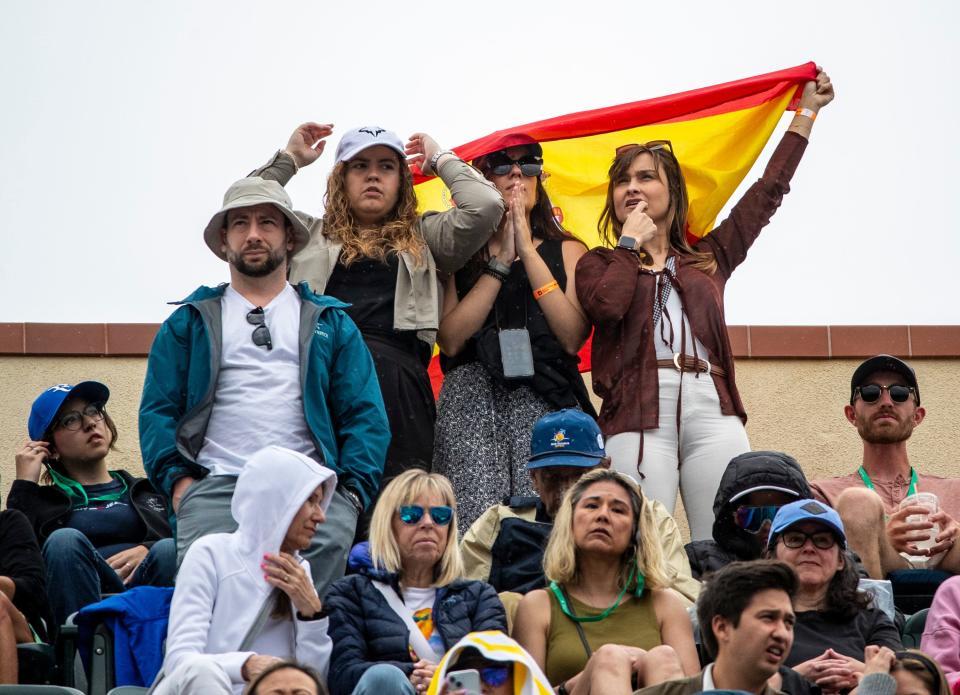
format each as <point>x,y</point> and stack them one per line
<point>556,376</point>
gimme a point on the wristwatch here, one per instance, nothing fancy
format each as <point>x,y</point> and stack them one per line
<point>630,244</point>
<point>436,158</point>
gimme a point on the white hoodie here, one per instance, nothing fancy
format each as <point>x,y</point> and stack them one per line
<point>220,587</point>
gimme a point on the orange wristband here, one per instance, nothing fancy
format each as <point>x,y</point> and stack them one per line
<point>809,113</point>
<point>546,289</point>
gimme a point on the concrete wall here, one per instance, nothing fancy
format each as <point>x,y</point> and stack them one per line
<point>795,405</point>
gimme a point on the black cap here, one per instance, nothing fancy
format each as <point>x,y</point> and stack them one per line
<point>884,363</point>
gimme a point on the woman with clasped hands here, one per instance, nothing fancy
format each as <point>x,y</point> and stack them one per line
<point>245,600</point>
<point>656,303</point>
<point>392,622</point>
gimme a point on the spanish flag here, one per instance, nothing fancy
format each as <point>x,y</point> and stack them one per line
<point>717,134</point>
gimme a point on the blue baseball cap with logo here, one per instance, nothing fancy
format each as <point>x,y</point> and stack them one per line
<point>806,510</point>
<point>567,437</point>
<point>47,404</point>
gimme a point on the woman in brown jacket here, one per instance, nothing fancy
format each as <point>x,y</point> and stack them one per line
<point>662,360</point>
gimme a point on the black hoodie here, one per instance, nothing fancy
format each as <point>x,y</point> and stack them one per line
<point>746,471</point>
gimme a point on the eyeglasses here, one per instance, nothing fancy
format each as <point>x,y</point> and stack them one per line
<point>494,675</point>
<point>797,539</point>
<point>753,519</point>
<point>651,146</point>
<point>870,393</point>
<point>501,165</point>
<point>261,334</point>
<point>73,420</point>
<point>412,513</point>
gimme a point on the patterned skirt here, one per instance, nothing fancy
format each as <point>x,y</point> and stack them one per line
<point>483,439</point>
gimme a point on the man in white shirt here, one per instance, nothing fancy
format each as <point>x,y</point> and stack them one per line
<point>254,363</point>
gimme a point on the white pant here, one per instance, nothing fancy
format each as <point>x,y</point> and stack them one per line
<point>197,674</point>
<point>695,460</point>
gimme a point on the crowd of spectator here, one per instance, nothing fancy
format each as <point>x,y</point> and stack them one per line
<point>306,496</point>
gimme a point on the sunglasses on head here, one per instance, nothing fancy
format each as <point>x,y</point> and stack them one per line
<point>412,513</point>
<point>797,539</point>
<point>870,393</point>
<point>261,334</point>
<point>651,146</point>
<point>499,164</point>
<point>753,519</point>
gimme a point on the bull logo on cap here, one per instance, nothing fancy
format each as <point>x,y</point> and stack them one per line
<point>373,132</point>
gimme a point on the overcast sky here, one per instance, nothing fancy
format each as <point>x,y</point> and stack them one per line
<point>122,123</point>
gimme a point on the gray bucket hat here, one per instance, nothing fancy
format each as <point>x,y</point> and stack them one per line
<point>246,193</point>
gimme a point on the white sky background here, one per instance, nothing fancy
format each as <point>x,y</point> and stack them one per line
<point>122,123</point>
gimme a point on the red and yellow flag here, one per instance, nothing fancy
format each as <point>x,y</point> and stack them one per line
<point>717,134</point>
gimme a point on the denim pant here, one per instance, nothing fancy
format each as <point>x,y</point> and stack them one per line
<point>77,574</point>
<point>382,679</point>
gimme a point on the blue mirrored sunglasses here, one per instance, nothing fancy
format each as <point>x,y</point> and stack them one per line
<point>412,513</point>
<point>751,519</point>
<point>494,675</point>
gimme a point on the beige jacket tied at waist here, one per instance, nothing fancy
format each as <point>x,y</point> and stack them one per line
<point>452,237</point>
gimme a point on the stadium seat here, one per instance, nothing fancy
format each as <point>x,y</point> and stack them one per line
<point>38,690</point>
<point>913,630</point>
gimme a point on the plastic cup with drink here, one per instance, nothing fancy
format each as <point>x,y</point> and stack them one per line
<point>931,503</point>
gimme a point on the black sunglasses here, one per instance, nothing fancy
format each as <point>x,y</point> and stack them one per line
<point>797,539</point>
<point>261,334</point>
<point>870,393</point>
<point>501,165</point>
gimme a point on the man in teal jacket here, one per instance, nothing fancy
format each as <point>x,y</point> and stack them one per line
<point>258,362</point>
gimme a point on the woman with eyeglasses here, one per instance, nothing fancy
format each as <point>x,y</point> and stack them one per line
<point>660,347</point>
<point>510,333</point>
<point>835,620</point>
<point>101,531</point>
<point>393,621</point>
<point>607,612</point>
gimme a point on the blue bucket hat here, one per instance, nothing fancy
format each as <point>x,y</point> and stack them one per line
<point>567,437</point>
<point>806,510</point>
<point>47,404</point>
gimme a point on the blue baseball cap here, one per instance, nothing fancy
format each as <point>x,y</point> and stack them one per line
<point>806,510</point>
<point>567,437</point>
<point>47,404</point>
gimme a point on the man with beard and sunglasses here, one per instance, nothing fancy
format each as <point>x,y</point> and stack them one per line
<point>225,379</point>
<point>885,408</point>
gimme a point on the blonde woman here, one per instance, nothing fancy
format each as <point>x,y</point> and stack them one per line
<point>607,610</point>
<point>392,622</point>
<point>373,251</point>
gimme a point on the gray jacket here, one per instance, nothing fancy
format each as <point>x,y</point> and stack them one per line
<point>452,237</point>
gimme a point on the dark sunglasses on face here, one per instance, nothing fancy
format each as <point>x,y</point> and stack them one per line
<point>651,146</point>
<point>870,393</point>
<point>797,539</point>
<point>501,165</point>
<point>412,513</point>
<point>494,675</point>
<point>261,334</point>
<point>752,519</point>
<point>73,420</point>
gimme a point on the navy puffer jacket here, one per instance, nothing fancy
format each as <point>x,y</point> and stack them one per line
<point>366,631</point>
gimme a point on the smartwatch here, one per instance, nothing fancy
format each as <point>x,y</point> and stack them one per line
<point>627,242</point>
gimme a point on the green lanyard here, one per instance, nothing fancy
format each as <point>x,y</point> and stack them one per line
<point>564,606</point>
<point>912,490</point>
<point>76,491</point>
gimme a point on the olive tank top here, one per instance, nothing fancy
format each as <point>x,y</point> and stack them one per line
<point>633,623</point>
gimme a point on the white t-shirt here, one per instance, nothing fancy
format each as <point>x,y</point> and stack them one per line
<point>420,601</point>
<point>674,308</point>
<point>258,400</point>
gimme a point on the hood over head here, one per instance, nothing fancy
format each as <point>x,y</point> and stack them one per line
<point>273,485</point>
<point>754,470</point>
<point>528,679</point>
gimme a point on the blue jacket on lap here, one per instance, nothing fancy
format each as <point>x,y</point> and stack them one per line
<point>366,631</point>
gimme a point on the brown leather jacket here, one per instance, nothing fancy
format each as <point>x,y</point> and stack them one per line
<point>618,298</point>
